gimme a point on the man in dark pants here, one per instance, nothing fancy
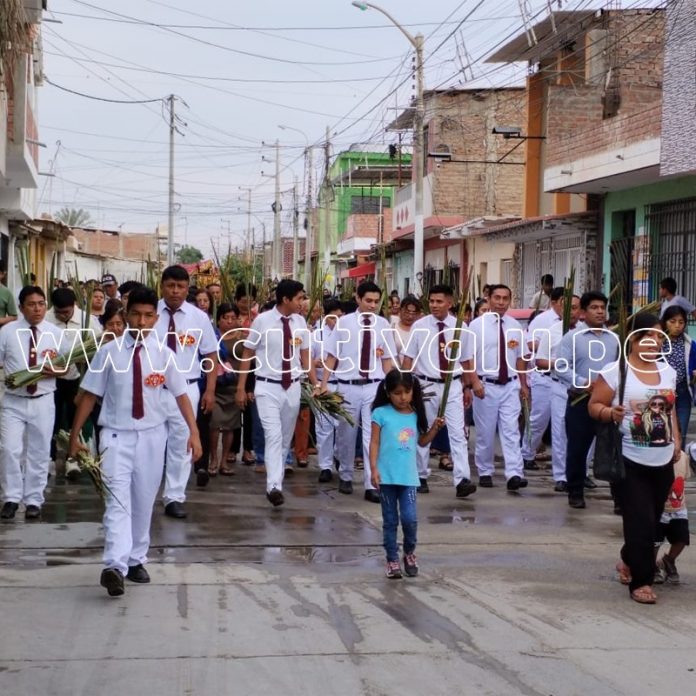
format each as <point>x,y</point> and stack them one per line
<point>586,350</point>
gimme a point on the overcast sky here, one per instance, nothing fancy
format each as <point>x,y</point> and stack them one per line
<point>242,69</point>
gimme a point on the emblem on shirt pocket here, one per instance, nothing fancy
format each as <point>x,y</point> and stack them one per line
<point>186,340</point>
<point>296,341</point>
<point>155,380</point>
<point>512,343</point>
<point>49,353</point>
<point>379,353</point>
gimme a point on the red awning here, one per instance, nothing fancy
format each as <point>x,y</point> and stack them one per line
<point>364,269</point>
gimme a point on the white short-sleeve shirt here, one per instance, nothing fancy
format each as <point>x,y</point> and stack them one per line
<point>486,351</point>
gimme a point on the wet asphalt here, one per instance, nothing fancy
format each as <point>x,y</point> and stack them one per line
<point>516,595</point>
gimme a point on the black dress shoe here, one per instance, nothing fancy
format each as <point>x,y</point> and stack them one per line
<point>8,511</point>
<point>325,476</point>
<point>275,497</point>
<point>112,579</point>
<point>465,488</point>
<point>589,483</point>
<point>514,483</point>
<point>576,501</point>
<point>424,487</point>
<point>138,574</point>
<point>175,509</point>
<point>202,477</point>
<point>32,512</point>
<point>372,496</point>
<point>561,487</point>
<point>345,487</point>
<point>530,465</point>
<point>523,483</point>
<point>486,481</point>
<point>289,471</point>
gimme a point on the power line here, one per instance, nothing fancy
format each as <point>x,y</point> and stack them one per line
<point>103,99</point>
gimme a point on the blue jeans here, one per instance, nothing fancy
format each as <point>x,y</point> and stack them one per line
<point>683,406</point>
<point>257,438</point>
<point>398,502</point>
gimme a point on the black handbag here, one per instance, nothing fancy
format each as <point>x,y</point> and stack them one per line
<point>608,464</point>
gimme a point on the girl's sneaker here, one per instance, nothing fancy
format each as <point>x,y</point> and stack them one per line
<point>660,573</point>
<point>671,570</point>
<point>410,565</point>
<point>393,570</point>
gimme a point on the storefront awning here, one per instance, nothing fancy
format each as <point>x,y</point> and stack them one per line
<point>364,269</point>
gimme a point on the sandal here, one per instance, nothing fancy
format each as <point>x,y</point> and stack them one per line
<point>226,471</point>
<point>644,595</point>
<point>231,458</point>
<point>446,463</point>
<point>248,461</point>
<point>624,573</point>
<point>213,471</point>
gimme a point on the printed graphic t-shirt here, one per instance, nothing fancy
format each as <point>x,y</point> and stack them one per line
<point>647,424</point>
<point>398,442</point>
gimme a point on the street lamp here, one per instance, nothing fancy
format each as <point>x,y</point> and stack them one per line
<point>308,213</point>
<point>417,42</point>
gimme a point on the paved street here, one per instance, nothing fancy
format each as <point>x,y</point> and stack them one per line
<point>516,595</point>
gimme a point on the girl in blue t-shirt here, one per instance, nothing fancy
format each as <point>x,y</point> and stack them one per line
<point>399,425</point>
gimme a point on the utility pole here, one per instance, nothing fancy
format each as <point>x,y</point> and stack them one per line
<point>308,236</point>
<point>418,163</point>
<point>324,241</point>
<point>295,230</point>
<point>170,228</point>
<point>276,249</point>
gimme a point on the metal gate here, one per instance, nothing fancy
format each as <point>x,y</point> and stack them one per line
<point>672,230</point>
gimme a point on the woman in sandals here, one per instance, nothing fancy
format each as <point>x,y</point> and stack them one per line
<point>650,443</point>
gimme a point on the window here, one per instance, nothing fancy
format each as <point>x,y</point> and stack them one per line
<point>367,205</point>
<point>506,272</point>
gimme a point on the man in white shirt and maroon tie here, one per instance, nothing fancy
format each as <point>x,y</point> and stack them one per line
<point>430,345</point>
<point>27,412</point>
<point>187,331</point>
<point>498,378</point>
<point>278,343</point>
<point>129,375</point>
<point>358,354</point>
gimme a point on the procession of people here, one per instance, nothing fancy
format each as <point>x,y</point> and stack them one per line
<point>182,384</point>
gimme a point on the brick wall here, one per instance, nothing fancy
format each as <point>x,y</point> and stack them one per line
<point>116,245</point>
<point>464,121</point>
<point>368,225</point>
<point>679,100</point>
<point>576,126</point>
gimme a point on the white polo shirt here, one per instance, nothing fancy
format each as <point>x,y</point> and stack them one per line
<point>111,377</point>
<point>424,345</point>
<point>200,338</point>
<point>486,348</point>
<point>345,343</point>
<point>266,338</point>
<point>15,339</point>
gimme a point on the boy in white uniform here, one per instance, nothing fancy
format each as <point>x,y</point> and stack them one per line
<point>30,341</point>
<point>358,354</point>
<point>129,374</point>
<point>427,354</point>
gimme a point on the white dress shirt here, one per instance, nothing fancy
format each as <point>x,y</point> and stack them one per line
<point>15,339</point>
<point>266,338</point>
<point>111,377</point>
<point>345,343</point>
<point>73,334</point>
<point>320,337</point>
<point>486,349</point>
<point>195,335</point>
<point>424,345</point>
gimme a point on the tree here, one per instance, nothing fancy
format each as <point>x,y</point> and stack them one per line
<point>74,217</point>
<point>189,254</point>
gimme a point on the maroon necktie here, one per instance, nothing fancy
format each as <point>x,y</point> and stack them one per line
<point>33,347</point>
<point>444,363</point>
<point>365,348</point>
<point>171,331</point>
<point>138,407</point>
<point>503,376</point>
<point>286,378</point>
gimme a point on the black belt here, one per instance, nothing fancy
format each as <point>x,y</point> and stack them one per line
<point>332,381</point>
<point>275,381</point>
<point>497,381</point>
<point>188,381</point>
<point>358,382</point>
<point>436,380</point>
<point>28,396</point>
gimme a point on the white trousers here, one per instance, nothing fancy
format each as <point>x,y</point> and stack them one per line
<point>359,398</point>
<point>278,409</point>
<point>539,416</point>
<point>178,459</point>
<point>559,439</point>
<point>500,408</point>
<point>325,430</point>
<point>454,415</point>
<point>21,418</point>
<point>133,461</point>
